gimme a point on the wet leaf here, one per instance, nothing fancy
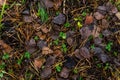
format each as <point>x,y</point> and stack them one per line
<point>88,20</point>
<point>46,72</point>
<point>46,50</point>
<point>5,47</point>
<point>85,32</point>
<point>60,19</point>
<point>27,19</point>
<point>98,16</point>
<point>38,62</point>
<point>84,52</point>
<point>69,62</point>
<point>70,41</point>
<point>64,73</point>
<point>41,44</point>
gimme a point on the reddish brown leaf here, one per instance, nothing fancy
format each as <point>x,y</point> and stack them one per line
<point>46,50</point>
<point>5,47</point>
<point>88,20</point>
<point>84,52</point>
<point>38,62</point>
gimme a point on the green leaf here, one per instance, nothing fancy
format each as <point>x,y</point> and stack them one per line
<point>92,46</point>
<point>75,70</point>
<point>36,38</point>
<point>62,35</point>
<point>64,48</point>
<point>108,46</point>
<point>5,56</point>
<point>2,66</point>
<point>84,13</point>
<point>56,42</point>
<point>58,68</point>
<point>67,24</point>
<point>27,55</point>
<point>79,24</point>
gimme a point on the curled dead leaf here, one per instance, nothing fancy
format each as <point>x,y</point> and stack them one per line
<point>89,20</point>
<point>46,50</point>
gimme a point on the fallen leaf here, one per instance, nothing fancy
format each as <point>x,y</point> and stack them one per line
<point>48,3</point>
<point>84,52</point>
<point>77,54</point>
<point>41,44</point>
<point>46,72</point>
<point>118,15</point>
<point>27,19</point>
<point>2,2</point>
<point>69,62</point>
<point>50,60</point>
<point>70,41</point>
<point>26,12</point>
<point>57,4</point>
<point>46,50</point>
<point>105,24</point>
<point>89,20</point>
<point>103,8</point>
<point>85,32</point>
<point>106,33</point>
<point>60,19</point>
<point>45,29</point>
<point>98,15</point>
<point>5,47</point>
<point>38,62</point>
<point>96,31</point>
<point>114,10</point>
<point>64,73</point>
<point>58,53</point>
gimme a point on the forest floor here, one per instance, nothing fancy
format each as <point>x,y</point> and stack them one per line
<point>59,39</point>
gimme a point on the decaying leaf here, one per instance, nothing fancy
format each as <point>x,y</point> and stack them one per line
<point>84,52</point>
<point>46,50</point>
<point>5,47</point>
<point>118,15</point>
<point>50,60</point>
<point>27,19</point>
<point>89,20</point>
<point>38,62</point>
<point>46,72</point>
<point>96,31</point>
<point>65,72</point>
<point>70,41</point>
<point>2,2</point>
<point>98,15</point>
<point>60,19</point>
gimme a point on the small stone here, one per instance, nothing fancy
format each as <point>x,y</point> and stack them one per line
<point>26,12</point>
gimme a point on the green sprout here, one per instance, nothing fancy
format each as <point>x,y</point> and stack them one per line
<point>92,46</point>
<point>62,35</point>
<point>75,70</point>
<point>27,55</point>
<point>2,73</point>
<point>67,24</point>
<point>80,78</point>
<point>79,24</point>
<point>101,35</point>
<point>19,61</point>
<point>58,68</point>
<point>2,65</point>
<point>99,65</point>
<point>84,13</point>
<point>108,46</point>
<point>56,42</point>
<point>42,13</point>
<point>36,38</point>
<point>107,66</point>
<point>5,56</point>
<point>64,48</point>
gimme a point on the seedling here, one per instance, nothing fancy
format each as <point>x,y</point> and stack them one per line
<point>101,35</point>
<point>2,73</point>
<point>84,13</point>
<point>56,42</point>
<point>36,38</point>
<point>99,65</point>
<point>67,24</point>
<point>58,68</point>
<point>5,56</point>
<point>108,46</point>
<point>75,70</point>
<point>115,53</point>
<point>62,35</point>
<point>42,13</point>
<point>80,78</point>
<point>92,46</point>
<point>64,48</point>
<point>107,66</point>
<point>79,24</point>
<point>2,66</point>
<point>27,55</point>
<point>19,61</point>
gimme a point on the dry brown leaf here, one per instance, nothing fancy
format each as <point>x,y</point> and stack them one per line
<point>96,31</point>
<point>38,62</point>
<point>89,20</point>
<point>46,50</point>
<point>98,15</point>
<point>5,47</point>
<point>57,4</point>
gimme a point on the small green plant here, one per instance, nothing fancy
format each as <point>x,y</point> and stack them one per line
<point>2,73</point>
<point>62,35</point>
<point>79,24</point>
<point>36,38</point>
<point>64,48</point>
<point>56,42</point>
<point>80,78</point>
<point>101,35</point>
<point>19,61</point>
<point>107,66</point>
<point>99,65</point>
<point>42,13</point>
<point>23,1</point>
<point>2,66</point>
<point>67,24</point>
<point>27,55</point>
<point>108,46</point>
<point>90,37</point>
<point>75,70</point>
<point>58,68</point>
<point>5,56</point>
<point>79,20</point>
<point>84,13</point>
<point>92,46</point>
<point>115,53</point>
